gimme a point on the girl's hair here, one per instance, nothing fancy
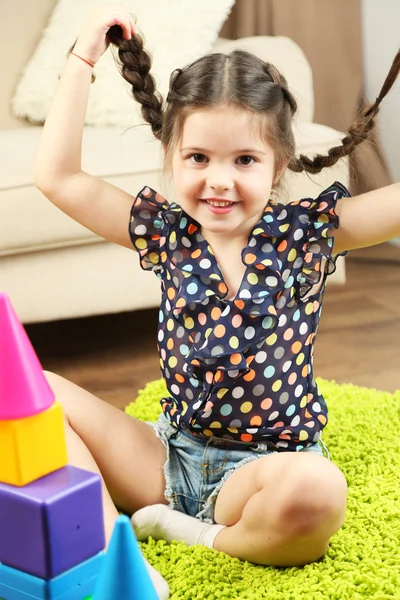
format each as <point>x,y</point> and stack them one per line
<point>238,79</point>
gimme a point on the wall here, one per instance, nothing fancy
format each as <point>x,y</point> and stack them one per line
<point>381,37</point>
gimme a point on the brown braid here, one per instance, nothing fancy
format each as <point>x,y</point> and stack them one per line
<point>281,82</point>
<point>357,133</point>
<point>135,69</point>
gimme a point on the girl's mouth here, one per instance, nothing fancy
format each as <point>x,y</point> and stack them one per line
<point>219,206</point>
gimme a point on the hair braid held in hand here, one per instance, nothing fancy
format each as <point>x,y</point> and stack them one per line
<point>135,69</point>
<point>357,133</point>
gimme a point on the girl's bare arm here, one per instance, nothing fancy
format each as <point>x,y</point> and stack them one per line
<point>368,219</point>
<point>89,200</point>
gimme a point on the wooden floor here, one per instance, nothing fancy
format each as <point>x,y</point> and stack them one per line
<point>358,340</point>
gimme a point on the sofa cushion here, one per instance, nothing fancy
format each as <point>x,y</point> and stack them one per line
<point>129,159</point>
<point>176,33</point>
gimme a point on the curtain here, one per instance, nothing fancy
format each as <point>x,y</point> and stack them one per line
<point>330,35</point>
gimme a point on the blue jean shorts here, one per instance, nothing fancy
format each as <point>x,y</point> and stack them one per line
<point>196,468</point>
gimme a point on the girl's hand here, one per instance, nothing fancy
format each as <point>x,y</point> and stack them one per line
<point>92,41</point>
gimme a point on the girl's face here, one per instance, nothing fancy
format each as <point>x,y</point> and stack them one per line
<point>222,171</point>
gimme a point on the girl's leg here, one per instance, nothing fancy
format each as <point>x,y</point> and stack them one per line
<point>125,451</point>
<point>277,510</point>
<point>281,509</point>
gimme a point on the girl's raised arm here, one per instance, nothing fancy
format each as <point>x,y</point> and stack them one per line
<point>368,219</point>
<point>96,204</point>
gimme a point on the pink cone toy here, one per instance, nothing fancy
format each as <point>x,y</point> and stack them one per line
<point>24,390</point>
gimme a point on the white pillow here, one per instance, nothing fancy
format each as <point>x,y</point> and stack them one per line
<point>176,32</point>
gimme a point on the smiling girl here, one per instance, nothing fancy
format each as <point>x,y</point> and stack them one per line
<point>236,460</point>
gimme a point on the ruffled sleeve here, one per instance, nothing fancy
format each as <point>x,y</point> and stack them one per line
<point>319,259</point>
<point>149,228</point>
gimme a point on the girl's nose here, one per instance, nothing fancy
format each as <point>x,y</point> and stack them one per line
<point>220,179</point>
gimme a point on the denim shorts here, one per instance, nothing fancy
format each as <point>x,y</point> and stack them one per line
<point>196,468</point>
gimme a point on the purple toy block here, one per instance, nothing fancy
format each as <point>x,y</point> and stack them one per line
<point>53,523</point>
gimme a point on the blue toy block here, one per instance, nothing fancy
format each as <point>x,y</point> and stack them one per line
<point>76,584</point>
<point>124,575</point>
<point>52,524</point>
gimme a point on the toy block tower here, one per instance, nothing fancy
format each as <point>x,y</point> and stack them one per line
<point>51,517</point>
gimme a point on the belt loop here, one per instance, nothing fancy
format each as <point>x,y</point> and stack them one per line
<point>324,448</point>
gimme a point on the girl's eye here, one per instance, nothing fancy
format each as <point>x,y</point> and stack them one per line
<point>197,158</point>
<point>246,161</point>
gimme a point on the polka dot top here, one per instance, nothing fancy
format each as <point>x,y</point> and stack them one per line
<point>241,368</point>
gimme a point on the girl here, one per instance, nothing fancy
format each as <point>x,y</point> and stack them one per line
<point>236,461</point>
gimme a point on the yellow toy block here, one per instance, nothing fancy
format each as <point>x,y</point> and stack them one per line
<point>32,447</point>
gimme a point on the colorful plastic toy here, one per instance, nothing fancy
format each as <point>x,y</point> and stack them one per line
<point>124,574</point>
<point>51,518</point>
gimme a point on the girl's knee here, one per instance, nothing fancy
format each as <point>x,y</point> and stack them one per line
<point>314,501</point>
<point>55,381</point>
<point>50,376</point>
<point>308,496</point>
<point>64,393</point>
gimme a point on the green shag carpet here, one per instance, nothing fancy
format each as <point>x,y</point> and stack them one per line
<point>363,559</point>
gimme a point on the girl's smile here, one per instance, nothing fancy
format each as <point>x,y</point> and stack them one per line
<point>219,207</point>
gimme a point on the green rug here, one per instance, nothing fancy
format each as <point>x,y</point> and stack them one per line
<point>363,560</point>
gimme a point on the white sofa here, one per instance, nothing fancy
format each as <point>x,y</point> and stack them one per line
<point>51,267</point>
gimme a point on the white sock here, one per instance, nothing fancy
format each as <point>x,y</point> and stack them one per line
<point>163,523</point>
<point>158,581</point>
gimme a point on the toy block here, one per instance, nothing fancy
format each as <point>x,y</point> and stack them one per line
<point>33,446</point>
<point>124,574</point>
<point>24,390</point>
<point>75,584</point>
<point>52,524</point>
